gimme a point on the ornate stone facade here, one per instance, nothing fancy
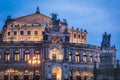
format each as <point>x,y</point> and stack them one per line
<point>63,52</point>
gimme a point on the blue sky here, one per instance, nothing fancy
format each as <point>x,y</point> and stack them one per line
<point>96,16</point>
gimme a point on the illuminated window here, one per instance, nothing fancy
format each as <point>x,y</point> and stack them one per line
<point>21,33</point>
<point>77,57</point>
<point>56,54</point>
<point>26,71</point>
<point>8,33</point>
<point>70,56</point>
<point>15,71</point>
<point>85,57</point>
<point>36,32</point>
<point>78,75</point>
<point>37,54</point>
<point>15,33</point>
<point>17,56</point>
<point>28,32</point>
<point>27,55</point>
<point>91,58</point>
<point>7,56</point>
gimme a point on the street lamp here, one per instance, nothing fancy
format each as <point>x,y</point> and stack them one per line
<point>34,61</point>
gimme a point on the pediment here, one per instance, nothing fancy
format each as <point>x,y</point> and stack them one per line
<point>33,18</point>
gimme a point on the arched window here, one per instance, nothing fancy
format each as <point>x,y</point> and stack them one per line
<point>77,57</point>
<point>26,55</point>
<point>70,56</point>
<point>7,55</point>
<point>37,54</point>
<point>78,75</point>
<point>85,57</point>
<point>91,58</point>
<point>56,54</point>
<point>17,55</point>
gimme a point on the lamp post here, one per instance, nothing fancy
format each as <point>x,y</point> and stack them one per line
<point>34,61</point>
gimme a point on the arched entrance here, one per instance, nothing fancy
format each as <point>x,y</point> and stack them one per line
<point>56,73</point>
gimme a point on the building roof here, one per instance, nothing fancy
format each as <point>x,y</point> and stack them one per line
<point>32,17</point>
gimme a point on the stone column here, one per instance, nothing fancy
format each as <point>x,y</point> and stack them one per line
<point>94,57</point>
<point>88,56</point>
<point>47,52</point>
<point>81,56</point>
<point>21,53</point>
<point>3,55</point>
<point>98,57</point>
<point>32,52</point>
<point>41,54</point>
<point>66,53</point>
<point>73,56</point>
<point>11,54</point>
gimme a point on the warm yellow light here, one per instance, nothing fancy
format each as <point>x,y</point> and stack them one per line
<point>58,72</point>
<point>56,54</point>
<point>34,58</point>
<point>38,61</point>
<point>29,61</point>
<point>34,61</point>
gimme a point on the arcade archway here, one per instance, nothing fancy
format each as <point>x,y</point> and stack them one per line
<point>56,73</point>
